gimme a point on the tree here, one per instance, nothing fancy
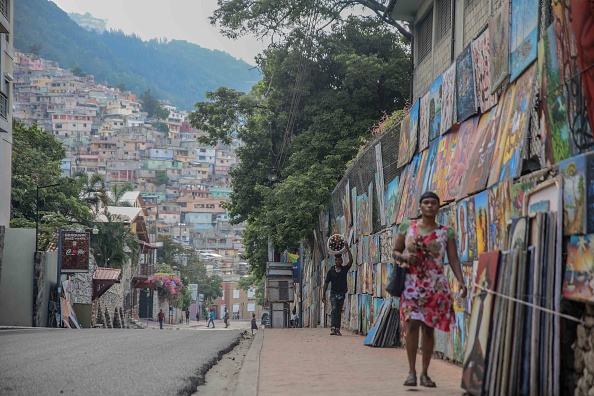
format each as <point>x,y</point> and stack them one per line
<point>122,87</point>
<point>78,72</point>
<point>115,243</point>
<point>117,192</point>
<point>162,177</point>
<point>305,121</point>
<point>263,18</point>
<point>161,113</point>
<point>150,104</point>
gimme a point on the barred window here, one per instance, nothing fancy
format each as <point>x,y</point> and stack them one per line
<point>444,18</point>
<point>424,35</point>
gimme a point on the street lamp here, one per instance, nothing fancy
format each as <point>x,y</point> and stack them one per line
<point>37,188</point>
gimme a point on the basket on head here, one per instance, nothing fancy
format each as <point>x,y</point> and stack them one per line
<point>336,244</point>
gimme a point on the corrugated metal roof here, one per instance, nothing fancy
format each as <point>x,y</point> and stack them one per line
<point>107,274</point>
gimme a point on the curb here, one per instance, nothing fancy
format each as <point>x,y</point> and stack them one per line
<point>247,380</point>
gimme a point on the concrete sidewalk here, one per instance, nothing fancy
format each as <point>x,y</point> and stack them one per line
<point>310,361</point>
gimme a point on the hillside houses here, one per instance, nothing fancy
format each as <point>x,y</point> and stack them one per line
<point>182,182</point>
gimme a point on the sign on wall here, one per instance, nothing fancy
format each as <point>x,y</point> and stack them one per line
<point>74,251</point>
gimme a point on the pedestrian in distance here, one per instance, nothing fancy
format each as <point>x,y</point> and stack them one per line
<point>226,318</point>
<point>254,325</point>
<point>161,317</point>
<point>426,302</point>
<point>337,276</point>
<point>197,316</point>
<point>211,317</point>
<point>187,316</point>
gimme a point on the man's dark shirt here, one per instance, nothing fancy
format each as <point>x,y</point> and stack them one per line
<point>338,280</point>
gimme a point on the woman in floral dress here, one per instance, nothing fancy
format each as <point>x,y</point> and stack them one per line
<point>426,301</point>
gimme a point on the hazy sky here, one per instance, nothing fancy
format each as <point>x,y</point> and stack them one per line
<point>173,19</point>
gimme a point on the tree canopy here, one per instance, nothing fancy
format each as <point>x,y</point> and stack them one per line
<point>303,123</point>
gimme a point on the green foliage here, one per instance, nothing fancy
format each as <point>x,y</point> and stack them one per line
<point>115,243</point>
<point>162,178</point>
<point>306,119</point>
<point>251,282</point>
<point>78,72</point>
<point>117,192</point>
<point>182,71</point>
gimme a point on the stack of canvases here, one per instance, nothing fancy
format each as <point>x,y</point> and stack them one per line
<point>514,335</point>
<point>386,328</point>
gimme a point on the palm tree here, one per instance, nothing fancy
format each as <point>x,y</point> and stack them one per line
<point>115,243</point>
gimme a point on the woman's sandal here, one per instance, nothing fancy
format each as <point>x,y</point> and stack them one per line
<point>411,380</point>
<point>426,381</point>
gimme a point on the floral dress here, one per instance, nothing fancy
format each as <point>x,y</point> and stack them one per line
<point>426,296</point>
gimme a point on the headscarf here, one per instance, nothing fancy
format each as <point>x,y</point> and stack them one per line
<point>429,194</point>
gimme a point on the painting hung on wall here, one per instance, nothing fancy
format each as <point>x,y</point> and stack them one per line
<point>523,35</point>
<point>412,194</point>
<point>590,192</point>
<point>499,46</point>
<point>346,203</point>
<point>481,210</point>
<point>462,214</point>
<point>515,128</point>
<point>448,99</point>
<point>497,225</point>
<point>582,15</point>
<point>517,193</point>
<point>504,117</point>
<point>578,280</point>
<point>435,92</point>
<point>573,174</point>
<point>392,201</point>
<point>465,88</point>
<point>404,186</point>
<point>447,145</point>
<point>413,210</point>
<point>369,213</point>
<point>459,162</point>
<point>424,122</point>
<point>361,213</point>
<point>481,59</point>
<point>404,141</point>
<point>475,178</point>
<point>472,238</point>
<point>354,211</point>
<point>413,137</point>
<point>430,166</point>
<point>379,183</point>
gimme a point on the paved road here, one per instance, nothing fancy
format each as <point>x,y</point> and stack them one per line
<point>108,361</point>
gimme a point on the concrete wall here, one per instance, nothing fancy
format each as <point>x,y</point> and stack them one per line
<point>16,282</point>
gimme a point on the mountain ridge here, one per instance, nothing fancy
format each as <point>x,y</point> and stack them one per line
<point>175,70</point>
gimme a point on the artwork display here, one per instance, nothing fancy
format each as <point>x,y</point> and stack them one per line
<point>392,201</point>
<point>459,161</point>
<point>462,243</point>
<point>465,88</point>
<point>523,35</point>
<point>472,236</point>
<point>413,138</point>
<point>578,280</point>
<point>435,92</point>
<point>424,122</point>
<point>573,174</point>
<point>481,59</point>
<point>481,209</point>
<point>448,99</point>
<point>445,150</point>
<point>499,46</point>
<point>379,183</point>
<point>404,141</point>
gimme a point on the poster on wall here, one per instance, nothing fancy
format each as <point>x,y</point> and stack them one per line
<point>481,59</point>
<point>465,88</point>
<point>74,251</point>
<point>499,46</point>
<point>448,99</point>
<point>523,35</point>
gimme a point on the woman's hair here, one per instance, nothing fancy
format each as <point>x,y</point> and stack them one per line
<point>429,194</point>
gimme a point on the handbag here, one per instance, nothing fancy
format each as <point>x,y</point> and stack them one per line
<point>396,284</point>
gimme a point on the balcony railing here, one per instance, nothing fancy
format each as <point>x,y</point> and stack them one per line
<point>5,8</point>
<point>3,104</point>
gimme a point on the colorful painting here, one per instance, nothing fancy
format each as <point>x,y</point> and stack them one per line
<point>429,167</point>
<point>573,174</point>
<point>404,141</point>
<point>445,150</point>
<point>465,88</point>
<point>504,118</point>
<point>404,188</point>
<point>448,99</point>
<point>582,16</point>
<point>523,35</point>
<point>413,194</point>
<point>472,237</point>
<point>517,193</point>
<point>497,225</point>
<point>354,211</point>
<point>578,280</point>
<point>375,256</point>
<point>435,108</point>
<point>481,210</point>
<point>475,178</point>
<point>346,203</point>
<point>462,234</point>
<point>413,211</point>
<point>516,128</point>
<point>475,354</point>
<point>590,192</point>
<point>380,183</point>
<point>369,214</point>
<point>481,59</point>
<point>361,213</point>
<point>413,137</point>
<point>499,46</point>
<point>424,122</point>
<point>384,279</point>
<point>392,201</point>
<point>377,279</point>
<point>459,162</point>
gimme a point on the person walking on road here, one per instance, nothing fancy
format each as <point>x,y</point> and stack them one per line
<point>426,302</point>
<point>337,275</point>
<point>254,324</point>
<point>226,318</point>
<point>161,317</point>
<point>211,318</point>
<point>187,316</point>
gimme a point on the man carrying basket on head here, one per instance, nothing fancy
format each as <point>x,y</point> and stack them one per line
<point>337,275</point>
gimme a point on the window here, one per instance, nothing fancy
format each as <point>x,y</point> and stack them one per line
<point>424,29</point>
<point>444,18</point>
<point>251,307</point>
<point>251,294</point>
<point>235,293</point>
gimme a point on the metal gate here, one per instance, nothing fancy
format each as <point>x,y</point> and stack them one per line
<point>145,304</point>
